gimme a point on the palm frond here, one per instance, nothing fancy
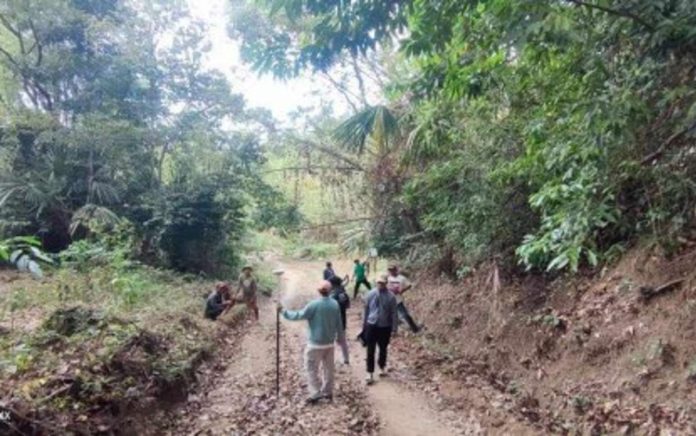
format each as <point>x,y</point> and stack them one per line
<point>375,123</point>
<point>36,194</point>
<point>103,193</point>
<point>356,238</point>
<point>93,216</point>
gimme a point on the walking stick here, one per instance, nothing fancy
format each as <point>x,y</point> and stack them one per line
<point>277,353</point>
<point>278,273</point>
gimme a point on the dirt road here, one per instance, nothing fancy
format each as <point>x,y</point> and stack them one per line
<point>244,401</point>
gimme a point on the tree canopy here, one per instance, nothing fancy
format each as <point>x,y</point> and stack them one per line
<point>554,132</point>
<point>109,114</point>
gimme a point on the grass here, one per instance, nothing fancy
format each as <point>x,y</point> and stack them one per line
<point>295,246</point>
<point>102,335</point>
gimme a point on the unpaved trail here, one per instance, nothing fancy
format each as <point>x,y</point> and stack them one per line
<point>402,412</point>
<point>241,399</point>
<point>249,364</point>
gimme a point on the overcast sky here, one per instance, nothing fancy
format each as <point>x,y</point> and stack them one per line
<point>281,97</point>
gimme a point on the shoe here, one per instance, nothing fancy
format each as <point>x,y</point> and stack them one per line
<point>314,399</point>
<point>328,397</point>
<point>383,372</point>
<point>369,379</point>
<point>345,362</point>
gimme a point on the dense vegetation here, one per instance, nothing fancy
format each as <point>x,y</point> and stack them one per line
<point>553,132</point>
<point>536,136</point>
<point>111,122</point>
<point>123,160</point>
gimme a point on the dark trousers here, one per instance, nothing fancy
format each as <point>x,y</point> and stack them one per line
<point>374,337</point>
<point>343,316</point>
<point>404,315</point>
<point>357,287</point>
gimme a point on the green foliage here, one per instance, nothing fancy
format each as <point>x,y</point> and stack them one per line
<point>25,254</point>
<point>376,123</point>
<point>317,250</point>
<point>548,131</point>
<point>272,210</point>
<point>324,28</point>
<point>195,226</point>
<point>112,118</point>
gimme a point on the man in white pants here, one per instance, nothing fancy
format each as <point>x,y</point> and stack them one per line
<point>323,316</point>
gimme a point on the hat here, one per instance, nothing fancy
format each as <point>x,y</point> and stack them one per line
<point>382,279</point>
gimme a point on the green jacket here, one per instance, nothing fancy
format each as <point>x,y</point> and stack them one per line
<point>324,318</point>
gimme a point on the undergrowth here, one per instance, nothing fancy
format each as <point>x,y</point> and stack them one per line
<point>100,335</point>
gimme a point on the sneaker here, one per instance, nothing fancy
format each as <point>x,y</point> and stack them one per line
<point>328,397</point>
<point>383,372</point>
<point>345,362</point>
<point>369,379</point>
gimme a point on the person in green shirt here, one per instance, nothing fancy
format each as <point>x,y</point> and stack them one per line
<point>360,277</point>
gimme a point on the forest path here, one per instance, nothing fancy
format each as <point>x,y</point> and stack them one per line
<point>241,399</point>
<point>401,411</point>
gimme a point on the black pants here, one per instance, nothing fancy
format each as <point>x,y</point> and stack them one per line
<point>343,316</point>
<point>403,314</point>
<point>357,286</point>
<point>376,336</point>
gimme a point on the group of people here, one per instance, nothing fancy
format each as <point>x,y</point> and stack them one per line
<point>326,318</point>
<point>327,321</point>
<point>221,300</point>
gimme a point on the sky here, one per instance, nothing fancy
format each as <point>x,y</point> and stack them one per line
<point>281,97</point>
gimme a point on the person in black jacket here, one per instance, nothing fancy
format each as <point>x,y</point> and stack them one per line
<point>219,301</point>
<point>338,293</point>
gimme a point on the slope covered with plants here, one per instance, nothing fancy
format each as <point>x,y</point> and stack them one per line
<point>128,182</point>
<point>551,133</point>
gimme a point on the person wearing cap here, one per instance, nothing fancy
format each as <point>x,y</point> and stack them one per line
<point>399,284</point>
<point>323,317</point>
<point>247,290</point>
<point>380,322</point>
<point>219,301</point>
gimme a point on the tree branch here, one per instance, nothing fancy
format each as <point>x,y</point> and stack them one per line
<point>37,44</point>
<point>310,168</point>
<point>618,12</point>
<point>359,77</point>
<point>8,26</point>
<point>9,57</point>
<point>333,153</point>
<point>15,32</point>
<point>661,149</point>
<point>342,89</point>
<point>366,218</point>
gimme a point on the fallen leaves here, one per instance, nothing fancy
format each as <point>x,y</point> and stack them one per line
<point>241,399</point>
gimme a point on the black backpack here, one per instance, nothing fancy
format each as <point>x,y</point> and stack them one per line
<point>338,293</point>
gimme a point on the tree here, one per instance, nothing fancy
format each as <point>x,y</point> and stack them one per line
<point>112,115</point>
<point>558,120</point>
